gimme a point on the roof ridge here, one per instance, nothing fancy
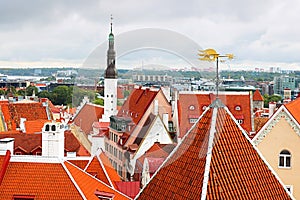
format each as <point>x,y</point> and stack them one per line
<point>174,151</point>
<point>115,190</point>
<point>104,169</point>
<point>72,179</point>
<point>209,148</point>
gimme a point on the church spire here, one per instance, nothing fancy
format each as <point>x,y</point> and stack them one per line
<point>111,71</point>
<point>111,23</point>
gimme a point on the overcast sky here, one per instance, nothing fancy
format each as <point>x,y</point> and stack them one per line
<point>50,33</point>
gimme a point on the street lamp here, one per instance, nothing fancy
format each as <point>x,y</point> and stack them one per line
<point>211,55</point>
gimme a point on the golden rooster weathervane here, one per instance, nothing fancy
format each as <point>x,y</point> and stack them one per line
<point>211,55</point>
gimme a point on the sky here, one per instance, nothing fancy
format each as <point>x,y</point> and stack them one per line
<point>64,33</point>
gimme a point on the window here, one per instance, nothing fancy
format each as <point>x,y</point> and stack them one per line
<point>240,121</point>
<point>115,152</point>
<point>53,128</point>
<point>120,155</point>
<point>47,128</point>
<point>193,120</point>
<point>285,159</point>
<point>237,108</point>
<point>106,146</point>
<point>204,107</point>
<point>192,107</point>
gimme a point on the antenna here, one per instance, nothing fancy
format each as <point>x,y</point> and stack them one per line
<point>111,22</point>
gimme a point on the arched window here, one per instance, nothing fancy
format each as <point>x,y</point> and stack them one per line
<point>284,159</point>
<point>53,128</point>
<point>192,107</point>
<point>47,128</point>
<point>237,108</point>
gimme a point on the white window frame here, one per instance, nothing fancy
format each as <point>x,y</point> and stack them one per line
<point>191,107</point>
<point>238,108</point>
<point>285,156</point>
<point>193,120</point>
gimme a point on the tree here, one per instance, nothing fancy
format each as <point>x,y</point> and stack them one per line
<point>99,101</point>
<point>30,89</point>
<point>126,93</point>
<point>44,94</point>
<point>61,95</point>
<point>79,94</point>
<point>272,98</point>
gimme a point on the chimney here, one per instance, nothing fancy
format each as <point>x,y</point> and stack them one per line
<point>22,125</point>
<point>272,106</point>
<point>6,144</point>
<point>53,139</point>
<point>166,120</point>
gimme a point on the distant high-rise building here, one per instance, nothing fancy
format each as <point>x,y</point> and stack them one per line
<point>283,82</point>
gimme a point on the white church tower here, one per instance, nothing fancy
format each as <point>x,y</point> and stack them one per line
<point>110,80</point>
<point>53,140</point>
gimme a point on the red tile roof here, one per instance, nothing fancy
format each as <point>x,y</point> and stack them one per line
<point>51,180</point>
<point>12,112</point>
<point>89,185</point>
<point>29,142</point>
<point>35,126</point>
<point>257,96</point>
<point>42,180</point>
<point>294,108</point>
<point>137,104</point>
<point>95,169</point>
<point>199,101</point>
<point>103,128</point>
<point>110,171</point>
<point>157,150</point>
<point>89,114</point>
<point>79,163</point>
<point>215,160</point>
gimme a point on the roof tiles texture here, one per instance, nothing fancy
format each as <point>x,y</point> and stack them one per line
<point>35,126</point>
<point>43,180</point>
<point>137,104</point>
<point>89,185</point>
<point>12,112</point>
<point>294,108</point>
<point>257,96</point>
<point>89,114</point>
<point>236,170</point>
<point>94,168</point>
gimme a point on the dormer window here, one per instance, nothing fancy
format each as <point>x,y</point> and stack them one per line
<point>104,195</point>
<point>192,107</point>
<point>237,108</point>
